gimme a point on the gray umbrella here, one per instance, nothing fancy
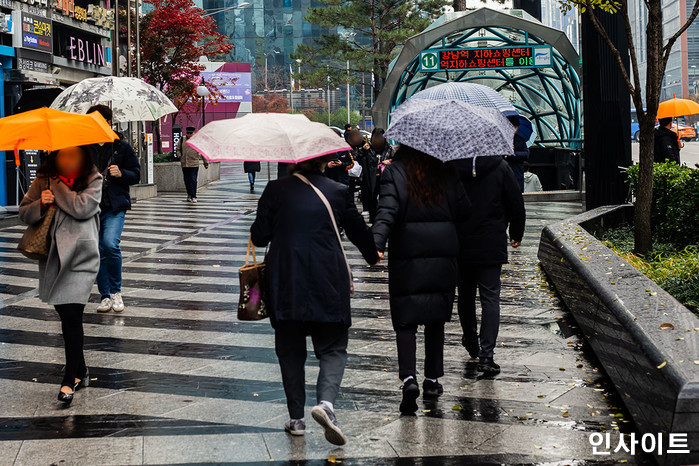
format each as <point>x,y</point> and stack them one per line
<point>451,129</point>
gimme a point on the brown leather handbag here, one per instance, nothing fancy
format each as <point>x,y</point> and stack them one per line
<point>251,304</point>
<point>36,241</point>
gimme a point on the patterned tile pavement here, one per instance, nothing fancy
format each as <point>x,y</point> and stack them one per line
<point>177,379</point>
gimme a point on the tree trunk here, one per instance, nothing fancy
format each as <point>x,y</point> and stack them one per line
<point>643,241</point>
<point>644,192</point>
<point>156,131</point>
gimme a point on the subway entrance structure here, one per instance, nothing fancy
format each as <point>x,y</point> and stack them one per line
<point>533,65</point>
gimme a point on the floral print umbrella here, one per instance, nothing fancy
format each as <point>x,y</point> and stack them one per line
<point>451,129</point>
<point>131,99</point>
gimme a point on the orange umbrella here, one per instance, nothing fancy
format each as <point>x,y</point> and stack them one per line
<point>677,108</point>
<point>48,129</point>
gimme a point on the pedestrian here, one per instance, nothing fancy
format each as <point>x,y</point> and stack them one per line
<point>338,166</point>
<point>251,168</point>
<point>189,158</point>
<point>532,183</point>
<point>420,201</point>
<point>496,203</point>
<point>308,284</point>
<point>120,168</point>
<point>520,155</point>
<point>666,144</point>
<point>69,182</point>
<point>373,157</point>
<point>348,128</point>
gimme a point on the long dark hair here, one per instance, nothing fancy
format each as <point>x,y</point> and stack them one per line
<point>425,176</point>
<point>49,169</point>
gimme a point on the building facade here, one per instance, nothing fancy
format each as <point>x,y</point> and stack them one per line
<point>265,31</point>
<point>48,44</point>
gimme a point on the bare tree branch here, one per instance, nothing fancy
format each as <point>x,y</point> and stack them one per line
<point>671,41</point>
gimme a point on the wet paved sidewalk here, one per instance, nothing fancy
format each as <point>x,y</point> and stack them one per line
<point>177,379</point>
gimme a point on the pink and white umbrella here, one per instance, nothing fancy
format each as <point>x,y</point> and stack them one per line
<point>266,137</point>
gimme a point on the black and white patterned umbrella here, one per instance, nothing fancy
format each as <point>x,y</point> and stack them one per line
<point>451,129</point>
<point>131,99</point>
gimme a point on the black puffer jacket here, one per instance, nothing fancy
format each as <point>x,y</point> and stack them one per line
<point>115,191</point>
<point>423,246</point>
<point>306,273</point>
<point>496,202</point>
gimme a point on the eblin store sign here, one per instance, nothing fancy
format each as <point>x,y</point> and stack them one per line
<point>79,46</point>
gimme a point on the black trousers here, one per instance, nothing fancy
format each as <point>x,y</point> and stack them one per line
<point>406,338</point>
<point>72,326</point>
<point>330,347</point>
<point>486,280</point>
<point>191,175</point>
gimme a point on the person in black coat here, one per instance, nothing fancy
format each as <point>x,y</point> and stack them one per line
<point>666,144</point>
<point>251,168</point>
<point>420,201</point>
<point>521,154</point>
<point>120,167</point>
<point>372,157</point>
<point>308,284</point>
<point>496,203</point>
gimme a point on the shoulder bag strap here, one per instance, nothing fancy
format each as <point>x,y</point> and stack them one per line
<point>332,218</point>
<point>251,247</point>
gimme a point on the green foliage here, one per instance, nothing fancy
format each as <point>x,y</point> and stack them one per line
<point>164,157</point>
<point>368,35</point>
<point>674,270</point>
<point>337,118</point>
<point>675,210</point>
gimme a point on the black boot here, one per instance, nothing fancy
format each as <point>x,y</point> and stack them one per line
<point>488,366</point>
<point>431,389</point>
<point>472,346</point>
<point>411,392</point>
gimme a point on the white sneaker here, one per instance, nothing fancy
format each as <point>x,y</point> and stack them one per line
<point>117,302</point>
<point>189,199</point>
<point>105,305</point>
<point>194,200</point>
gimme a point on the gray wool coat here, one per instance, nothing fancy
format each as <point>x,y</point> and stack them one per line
<point>67,275</point>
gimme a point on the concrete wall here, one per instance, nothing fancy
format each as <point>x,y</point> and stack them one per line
<point>620,312</point>
<point>168,176</point>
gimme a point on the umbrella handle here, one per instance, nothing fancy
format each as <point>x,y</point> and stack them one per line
<point>17,161</point>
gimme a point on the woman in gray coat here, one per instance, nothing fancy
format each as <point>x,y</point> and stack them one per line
<point>69,182</point>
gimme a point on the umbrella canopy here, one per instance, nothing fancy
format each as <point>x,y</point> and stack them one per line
<point>266,137</point>
<point>131,99</point>
<point>677,108</point>
<point>471,93</point>
<point>480,96</point>
<point>451,129</point>
<point>48,129</point>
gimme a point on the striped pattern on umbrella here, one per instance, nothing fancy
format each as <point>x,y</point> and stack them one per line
<point>471,93</point>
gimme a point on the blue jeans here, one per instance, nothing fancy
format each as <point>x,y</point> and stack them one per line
<point>109,276</point>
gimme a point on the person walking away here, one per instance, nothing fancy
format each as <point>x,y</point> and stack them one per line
<point>532,183</point>
<point>308,284</point>
<point>420,202</point>
<point>521,154</point>
<point>496,203</point>
<point>189,158</point>
<point>666,144</point>
<point>373,157</point>
<point>69,182</point>
<point>251,168</point>
<point>120,168</point>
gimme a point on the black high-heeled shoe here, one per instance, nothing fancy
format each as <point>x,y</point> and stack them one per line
<point>65,398</point>
<point>84,381</point>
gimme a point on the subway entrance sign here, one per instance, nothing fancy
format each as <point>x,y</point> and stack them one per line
<point>464,59</point>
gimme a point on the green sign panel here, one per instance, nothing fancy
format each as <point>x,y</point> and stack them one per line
<point>464,59</point>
